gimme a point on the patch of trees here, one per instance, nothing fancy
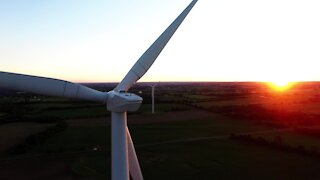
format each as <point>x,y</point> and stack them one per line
<point>36,139</point>
<point>315,132</point>
<point>276,143</point>
<point>252,111</point>
<point>11,118</point>
<point>177,108</point>
<point>277,117</point>
<point>228,95</point>
<point>45,112</point>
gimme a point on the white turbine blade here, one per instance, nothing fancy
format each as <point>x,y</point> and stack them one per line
<point>134,167</point>
<point>147,59</point>
<point>50,87</point>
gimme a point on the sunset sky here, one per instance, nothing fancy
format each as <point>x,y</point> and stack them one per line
<point>99,41</point>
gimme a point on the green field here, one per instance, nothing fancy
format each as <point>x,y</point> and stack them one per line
<point>185,139</point>
<point>220,158</point>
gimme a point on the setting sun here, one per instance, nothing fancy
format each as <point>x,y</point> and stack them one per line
<point>281,85</point>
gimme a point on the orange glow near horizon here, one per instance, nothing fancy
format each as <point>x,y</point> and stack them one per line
<point>281,85</point>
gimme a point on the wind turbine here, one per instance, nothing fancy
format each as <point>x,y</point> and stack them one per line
<point>118,101</point>
<point>152,95</point>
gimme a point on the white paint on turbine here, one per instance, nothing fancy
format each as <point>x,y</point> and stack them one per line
<point>134,167</point>
<point>152,96</point>
<point>50,87</point>
<point>150,55</point>
<point>124,158</point>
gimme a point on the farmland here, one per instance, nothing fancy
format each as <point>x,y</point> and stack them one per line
<point>189,136</point>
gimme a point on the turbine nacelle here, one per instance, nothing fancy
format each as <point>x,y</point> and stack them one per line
<point>118,101</point>
<point>123,101</point>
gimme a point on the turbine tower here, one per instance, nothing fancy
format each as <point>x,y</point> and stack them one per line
<point>152,96</point>
<point>118,101</point>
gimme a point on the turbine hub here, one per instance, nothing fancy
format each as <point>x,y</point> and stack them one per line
<point>123,101</point>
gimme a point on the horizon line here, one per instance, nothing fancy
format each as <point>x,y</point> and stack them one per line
<point>113,82</point>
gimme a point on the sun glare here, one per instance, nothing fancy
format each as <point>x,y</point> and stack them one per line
<point>281,85</point>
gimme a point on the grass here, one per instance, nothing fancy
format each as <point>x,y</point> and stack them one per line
<point>162,107</point>
<point>221,159</point>
<point>53,105</point>
<point>14,133</point>
<point>94,165</point>
<point>81,112</point>
<point>53,111</point>
<point>205,159</point>
<point>199,96</point>
<point>99,111</point>
<point>294,139</point>
<point>77,139</point>
<point>223,103</point>
<point>224,159</point>
<point>50,111</point>
<point>218,159</point>
<point>192,128</point>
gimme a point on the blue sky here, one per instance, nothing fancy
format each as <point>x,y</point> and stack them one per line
<point>99,41</point>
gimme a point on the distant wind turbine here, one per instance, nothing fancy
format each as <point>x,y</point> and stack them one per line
<point>152,95</point>
<point>118,101</point>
